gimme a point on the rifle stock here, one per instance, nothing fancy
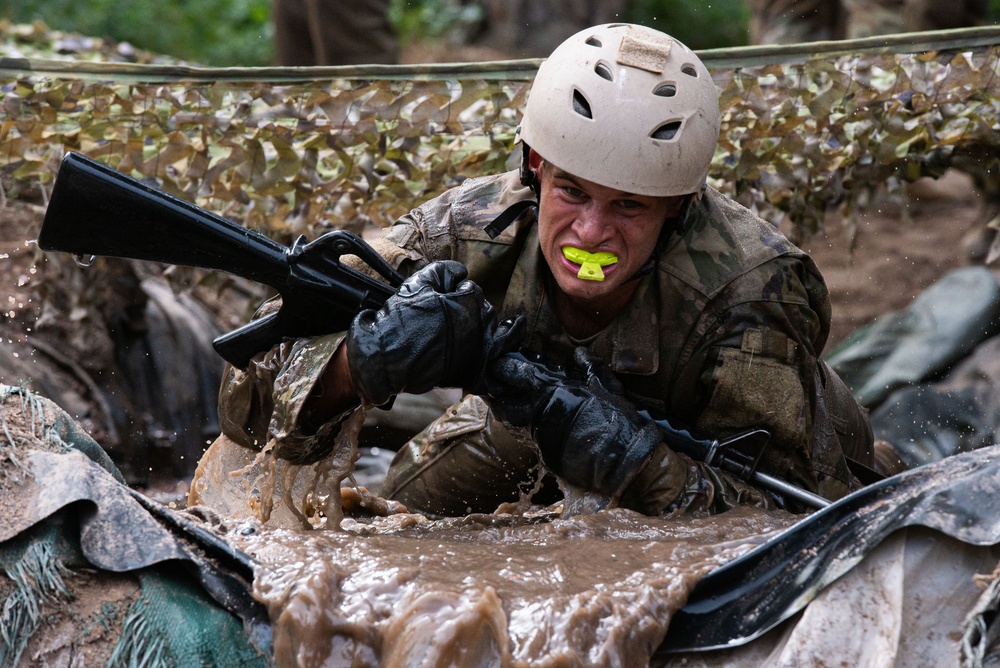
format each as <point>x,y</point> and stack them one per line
<point>96,210</point>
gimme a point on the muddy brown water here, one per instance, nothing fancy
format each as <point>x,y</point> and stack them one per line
<point>559,586</point>
<point>485,590</point>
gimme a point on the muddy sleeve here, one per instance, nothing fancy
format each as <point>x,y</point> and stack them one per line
<point>671,482</point>
<point>245,402</point>
<point>756,373</point>
<point>423,235</point>
<point>757,366</point>
<point>262,403</point>
<point>451,227</point>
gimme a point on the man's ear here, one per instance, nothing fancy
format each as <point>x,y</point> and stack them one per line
<point>534,159</point>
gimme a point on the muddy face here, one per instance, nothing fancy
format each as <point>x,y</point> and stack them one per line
<point>509,590</point>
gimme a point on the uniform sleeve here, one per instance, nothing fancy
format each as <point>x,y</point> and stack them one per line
<point>672,482</point>
<point>423,235</point>
<point>262,404</point>
<point>757,366</point>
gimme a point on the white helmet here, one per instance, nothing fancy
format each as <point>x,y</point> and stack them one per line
<point>627,107</point>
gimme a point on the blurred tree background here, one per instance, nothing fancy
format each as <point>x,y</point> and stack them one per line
<point>700,25</point>
<point>240,33</point>
<point>207,32</point>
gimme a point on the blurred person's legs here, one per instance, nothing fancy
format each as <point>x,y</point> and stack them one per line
<point>794,21</point>
<point>333,32</point>
<point>533,28</point>
<point>867,18</point>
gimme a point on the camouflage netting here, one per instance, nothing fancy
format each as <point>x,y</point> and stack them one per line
<point>805,128</point>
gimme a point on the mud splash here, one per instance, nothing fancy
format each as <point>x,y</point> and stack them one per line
<point>525,586</point>
<point>488,590</point>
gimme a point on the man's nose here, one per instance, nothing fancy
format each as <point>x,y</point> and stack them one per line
<point>592,226</point>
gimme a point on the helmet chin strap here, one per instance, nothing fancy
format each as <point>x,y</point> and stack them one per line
<point>529,177</point>
<point>507,217</point>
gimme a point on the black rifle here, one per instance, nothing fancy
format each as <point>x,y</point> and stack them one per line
<point>723,454</point>
<point>731,454</point>
<point>96,210</point>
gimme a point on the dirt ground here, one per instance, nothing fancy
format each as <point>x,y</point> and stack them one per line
<point>903,245</point>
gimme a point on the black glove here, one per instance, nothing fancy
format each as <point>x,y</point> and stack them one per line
<point>437,331</point>
<point>589,434</point>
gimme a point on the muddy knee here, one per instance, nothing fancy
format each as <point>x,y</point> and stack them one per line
<point>464,462</point>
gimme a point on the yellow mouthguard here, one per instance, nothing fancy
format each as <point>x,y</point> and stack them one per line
<point>590,263</point>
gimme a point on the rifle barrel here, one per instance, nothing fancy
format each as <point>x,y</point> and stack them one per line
<point>96,210</point>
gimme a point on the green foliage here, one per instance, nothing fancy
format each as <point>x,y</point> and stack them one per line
<point>209,32</point>
<point>700,25</point>
<point>418,20</point>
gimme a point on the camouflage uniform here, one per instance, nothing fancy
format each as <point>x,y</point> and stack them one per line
<point>791,21</point>
<point>724,335</point>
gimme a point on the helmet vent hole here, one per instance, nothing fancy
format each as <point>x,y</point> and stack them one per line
<point>604,71</point>
<point>581,106</point>
<point>667,131</point>
<point>665,90</point>
<point>690,71</point>
<point>593,41</point>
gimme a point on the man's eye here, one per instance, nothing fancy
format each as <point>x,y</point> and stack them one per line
<point>576,193</point>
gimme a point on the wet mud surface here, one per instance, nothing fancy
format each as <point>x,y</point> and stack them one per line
<point>349,579</point>
<point>595,589</point>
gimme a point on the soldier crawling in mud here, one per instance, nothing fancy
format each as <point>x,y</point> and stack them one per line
<point>652,289</point>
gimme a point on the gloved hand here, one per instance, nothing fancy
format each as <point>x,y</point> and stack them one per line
<point>678,483</point>
<point>438,330</point>
<point>588,433</point>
